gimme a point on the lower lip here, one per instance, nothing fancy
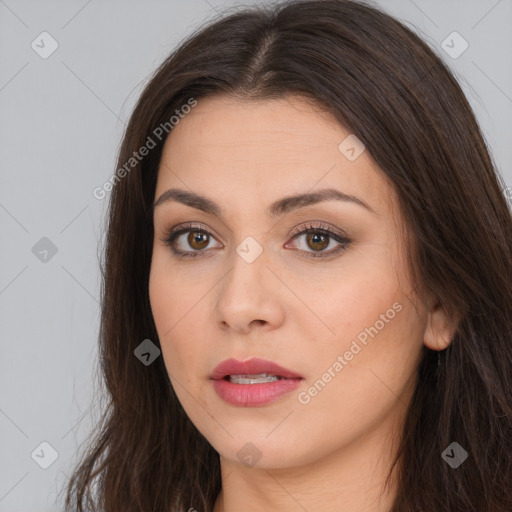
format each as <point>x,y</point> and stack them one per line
<point>253,395</point>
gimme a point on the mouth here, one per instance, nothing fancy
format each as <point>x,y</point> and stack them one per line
<point>252,371</point>
<point>252,379</point>
<point>251,383</point>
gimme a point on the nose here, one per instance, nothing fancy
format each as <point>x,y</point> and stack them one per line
<point>248,297</point>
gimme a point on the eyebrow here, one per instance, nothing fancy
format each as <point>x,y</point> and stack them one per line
<point>279,207</point>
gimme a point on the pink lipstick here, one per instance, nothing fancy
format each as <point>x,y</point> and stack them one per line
<point>254,382</point>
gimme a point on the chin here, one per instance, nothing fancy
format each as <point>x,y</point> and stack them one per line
<point>261,452</point>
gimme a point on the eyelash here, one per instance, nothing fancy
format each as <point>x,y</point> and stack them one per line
<point>170,237</point>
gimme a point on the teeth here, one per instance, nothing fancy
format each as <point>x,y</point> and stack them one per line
<point>261,378</point>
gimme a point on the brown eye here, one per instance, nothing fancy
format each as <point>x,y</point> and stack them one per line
<point>198,240</point>
<point>313,239</point>
<point>191,246</point>
<point>317,241</point>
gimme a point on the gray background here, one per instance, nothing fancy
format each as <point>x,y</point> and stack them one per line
<point>61,123</point>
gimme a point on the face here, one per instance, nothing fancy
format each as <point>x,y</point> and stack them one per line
<point>320,288</point>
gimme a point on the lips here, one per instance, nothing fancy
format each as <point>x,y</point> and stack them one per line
<point>253,366</point>
<point>253,383</point>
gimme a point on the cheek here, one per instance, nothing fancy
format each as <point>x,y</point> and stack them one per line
<point>178,335</point>
<point>356,295</point>
<point>173,299</point>
<point>169,312</point>
<point>368,319</point>
<point>353,385</point>
<point>179,314</point>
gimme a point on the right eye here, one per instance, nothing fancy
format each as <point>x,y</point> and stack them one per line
<point>198,239</point>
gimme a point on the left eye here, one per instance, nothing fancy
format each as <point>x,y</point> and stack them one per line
<point>317,238</point>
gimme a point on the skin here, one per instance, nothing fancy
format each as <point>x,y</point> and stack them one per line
<point>333,453</point>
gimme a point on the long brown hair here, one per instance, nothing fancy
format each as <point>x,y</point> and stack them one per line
<point>396,95</point>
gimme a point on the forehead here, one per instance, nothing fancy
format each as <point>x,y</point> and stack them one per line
<point>253,150</point>
<point>286,127</point>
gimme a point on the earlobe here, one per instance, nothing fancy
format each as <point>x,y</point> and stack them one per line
<point>439,329</point>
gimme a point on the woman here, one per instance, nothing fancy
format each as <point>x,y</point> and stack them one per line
<point>307,280</point>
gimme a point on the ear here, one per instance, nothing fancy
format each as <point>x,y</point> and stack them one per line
<point>439,329</point>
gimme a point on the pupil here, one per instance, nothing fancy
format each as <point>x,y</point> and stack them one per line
<point>197,237</point>
<point>316,242</point>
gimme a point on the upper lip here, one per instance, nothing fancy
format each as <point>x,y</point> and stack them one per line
<point>253,366</point>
